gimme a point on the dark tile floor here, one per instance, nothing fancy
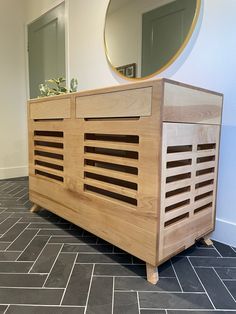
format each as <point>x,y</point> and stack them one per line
<point>50,266</point>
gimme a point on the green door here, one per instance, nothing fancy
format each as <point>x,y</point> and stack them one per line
<point>46,47</point>
<point>163,32</point>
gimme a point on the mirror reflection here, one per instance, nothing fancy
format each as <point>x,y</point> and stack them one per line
<point>143,37</point>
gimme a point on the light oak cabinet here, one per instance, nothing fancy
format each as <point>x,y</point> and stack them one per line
<point>134,164</point>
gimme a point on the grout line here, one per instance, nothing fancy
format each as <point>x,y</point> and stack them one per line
<point>217,250</point>
<point>6,309</point>
<point>113,295</point>
<point>138,301</point>
<point>43,305</point>
<point>161,292</point>
<point>202,285</point>
<point>72,268</point>
<point>29,288</point>
<point>89,289</point>
<point>176,276</point>
<point>225,286</point>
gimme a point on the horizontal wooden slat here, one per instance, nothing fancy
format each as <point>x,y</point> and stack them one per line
<point>49,149</point>
<point>204,189</point>
<point>128,103</point>
<point>49,160</point>
<point>205,177</point>
<point>49,139</point>
<point>178,212</point>
<point>184,104</point>
<point>178,170</point>
<point>111,187</point>
<point>206,165</point>
<point>112,145</point>
<point>177,198</point>
<point>50,109</point>
<point>203,202</point>
<point>179,156</point>
<point>112,159</point>
<point>113,174</point>
<point>177,184</point>
<point>49,170</point>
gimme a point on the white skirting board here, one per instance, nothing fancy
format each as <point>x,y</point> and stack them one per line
<point>225,232</point>
<point>13,172</point>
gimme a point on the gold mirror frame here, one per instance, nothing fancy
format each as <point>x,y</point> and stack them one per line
<point>172,60</point>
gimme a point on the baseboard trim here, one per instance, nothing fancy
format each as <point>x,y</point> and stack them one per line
<point>225,232</point>
<point>13,172</point>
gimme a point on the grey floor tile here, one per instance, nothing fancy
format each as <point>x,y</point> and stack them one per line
<point>152,312</point>
<point>166,270</point>
<point>224,250</point>
<point>79,282</point>
<point>215,289</point>
<point>3,216</point>
<point>46,258</point>
<point>174,300</point>
<point>23,240</point>
<point>49,226</point>
<point>30,296</point>
<point>7,224</point>
<point>71,239</point>
<point>198,251</point>
<point>61,270</point>
<point>22,280</point>
<point>15,267</point>
<point>125,303</point>
<point>186,275</point>
<point>213,262</point>
<point>103,259</point>
<point>9,256</point>
<point>231,285</point>
<point>141,284</point>
<point>119,270</point>
<point>83,248</point>
<point>226,273</point>
<point>3,309</point>
<point>34,249</point>
<point>100,297</point>
<point>198,312</point>
<point>14,232</point>
<point>55,232</point>
<point>17,309</point>
<point>4,245</point>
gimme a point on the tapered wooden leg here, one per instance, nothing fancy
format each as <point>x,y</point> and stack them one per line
<point>206,240</point>
<point>152,274</point>
<point>35,208</point>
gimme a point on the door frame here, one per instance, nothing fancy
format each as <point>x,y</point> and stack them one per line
<point>67,72</point>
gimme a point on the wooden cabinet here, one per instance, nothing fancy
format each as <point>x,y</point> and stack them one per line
<point>134,164</point>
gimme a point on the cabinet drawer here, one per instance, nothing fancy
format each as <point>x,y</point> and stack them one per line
<point>51,109</point>
<point>128,103</point>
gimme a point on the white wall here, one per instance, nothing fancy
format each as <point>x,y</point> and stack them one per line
<point>13,135</point>
<point>208,61</point>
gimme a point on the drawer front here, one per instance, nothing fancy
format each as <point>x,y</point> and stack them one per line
<point>51,109</point>
<point>128,103</point>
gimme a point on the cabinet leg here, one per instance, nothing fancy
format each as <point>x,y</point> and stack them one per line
<point>206,240</point>
<point>35,208</point>
<point>152,274</point>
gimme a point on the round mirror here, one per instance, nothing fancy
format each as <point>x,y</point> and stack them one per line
<point>143,37</point>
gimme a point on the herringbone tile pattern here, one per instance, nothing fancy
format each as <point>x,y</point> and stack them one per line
<point>50,266</point>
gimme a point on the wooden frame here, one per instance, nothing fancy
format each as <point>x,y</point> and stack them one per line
<point>120,164</point>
